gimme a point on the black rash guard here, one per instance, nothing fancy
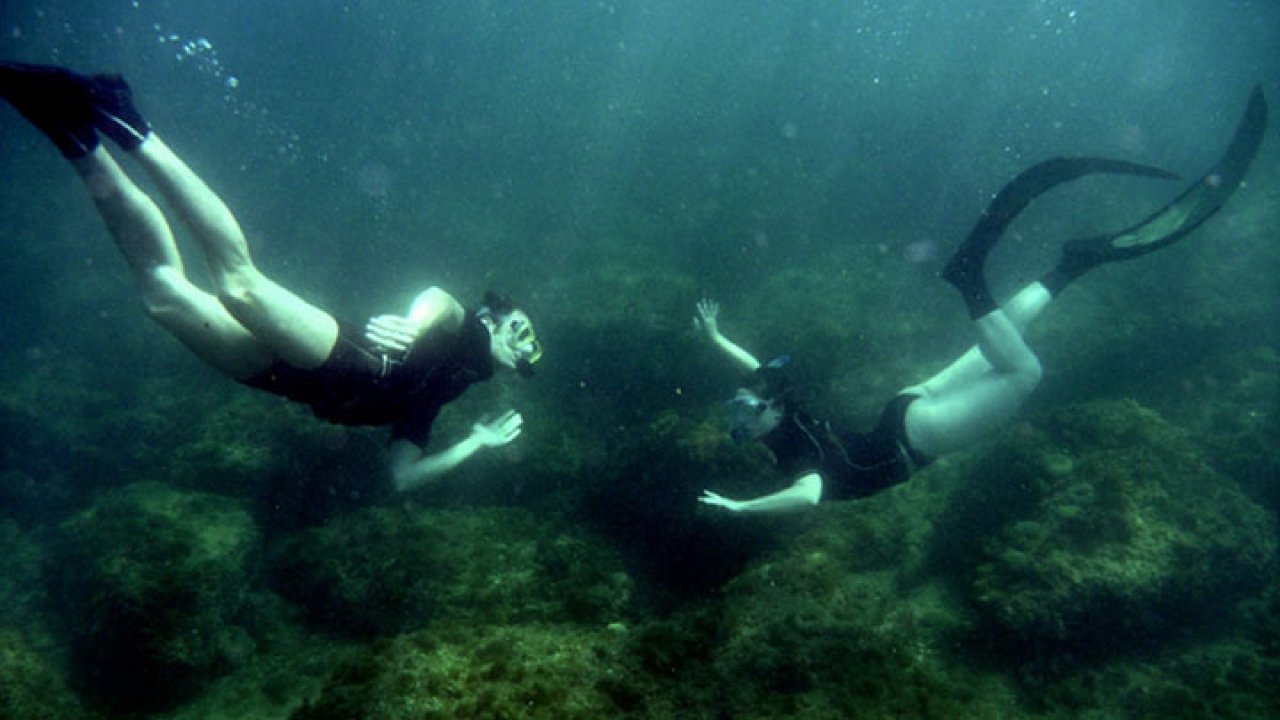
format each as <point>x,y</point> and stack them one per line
<point>361,385</point>
<point>852,465</point>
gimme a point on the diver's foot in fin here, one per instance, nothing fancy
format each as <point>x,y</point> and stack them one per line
<point>114,112</point>
<point>1177,219</point>
<point>56,101</point>
<point>965,269</point>
<point>71,108</point>
<point>965,273</point>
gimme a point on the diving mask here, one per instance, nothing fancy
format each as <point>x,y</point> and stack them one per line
<point>516,336</point>
<point>750,416</point>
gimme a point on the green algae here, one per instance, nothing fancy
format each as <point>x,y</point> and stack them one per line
<point>1141,537</point>
<point>31,687</point>
<point>533,671</point>
<point>388,570</point>
<point>161,574</point>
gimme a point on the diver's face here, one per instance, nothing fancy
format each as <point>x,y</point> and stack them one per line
<point>752,417</point>
<point>512,340</point>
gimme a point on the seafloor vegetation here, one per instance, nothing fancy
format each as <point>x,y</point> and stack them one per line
<point>179,548</point>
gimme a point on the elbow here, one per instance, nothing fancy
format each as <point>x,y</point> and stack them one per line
<point>810,487</point>
<point>434,294</point>
<point>434,305</point>
<point>402,465</point>
<point>402,480</point>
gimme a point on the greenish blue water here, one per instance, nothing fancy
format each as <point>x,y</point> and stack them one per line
<point>810,165</point>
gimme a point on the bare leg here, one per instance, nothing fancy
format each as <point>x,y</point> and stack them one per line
<point>1021,310</point>
<point>295,330</point>
<point>256,319</point>
<point>988,384</point>
<point>983,388</point>
<point>193,316</point>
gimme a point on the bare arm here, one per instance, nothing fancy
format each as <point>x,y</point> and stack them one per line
<point>806,492</point>
<point>706,320</point>
<point>432,308</point>
<point>411,468</point>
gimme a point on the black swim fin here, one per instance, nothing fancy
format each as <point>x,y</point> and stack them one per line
<point>115,113</point>
<point>1175,220</point>
<point>56,101</point>
<point>965,269</point>
<point>70,108</point>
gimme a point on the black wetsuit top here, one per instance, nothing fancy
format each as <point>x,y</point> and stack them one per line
<point>852,465</point>
<point>360,385</point>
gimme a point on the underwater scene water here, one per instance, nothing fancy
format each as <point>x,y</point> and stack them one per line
<point>176,545</point>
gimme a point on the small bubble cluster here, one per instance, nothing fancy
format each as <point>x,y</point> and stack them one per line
<point>199,51</point>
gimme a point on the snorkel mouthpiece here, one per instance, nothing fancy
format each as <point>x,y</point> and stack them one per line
<point>524,368</point>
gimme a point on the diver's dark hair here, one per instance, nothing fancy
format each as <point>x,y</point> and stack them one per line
<point>772,383</point>
<point>496,304</point>
<point>496,307</point>
<point>499,306</point>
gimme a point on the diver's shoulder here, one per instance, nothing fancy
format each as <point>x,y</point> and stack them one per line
<point>441,311</point>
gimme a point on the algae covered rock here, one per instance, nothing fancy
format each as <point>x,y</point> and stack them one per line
<point>829,623</point>
<point>551,671</point>
<point>1121,533</point>
<point>295,468</point>
<point>20,589</point>
<point>385,570</point>
<point>149,582</point>
<point>30,686</point>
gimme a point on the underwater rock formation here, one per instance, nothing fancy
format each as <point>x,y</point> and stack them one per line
<point>32,688</point>
<point>21,593</point>
<point>551,671</point>
<point>832,623</point>
<point>383,570</point>
<point>149,582</point>
<point>1121,534</point>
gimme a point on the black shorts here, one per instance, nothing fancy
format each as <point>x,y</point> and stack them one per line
<point>893,424</point>
<point>870,462</point>
<point>340,389</point>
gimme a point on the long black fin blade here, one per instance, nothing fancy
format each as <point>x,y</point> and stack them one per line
<point>1033,182</point>
<point>965,267</point>
<point>1195,205</point>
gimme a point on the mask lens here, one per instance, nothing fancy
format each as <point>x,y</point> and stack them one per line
<point>744,410</point>
<point>523,342</point>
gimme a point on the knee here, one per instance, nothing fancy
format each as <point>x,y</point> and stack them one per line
<point>164,291</point>
<point>239,289</point>
<point>1029,375</point>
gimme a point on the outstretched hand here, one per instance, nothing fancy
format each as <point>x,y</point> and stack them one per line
<point>706,317</point>
<point>391,333</point>
<point>498,432</point>
<point>716,500</point>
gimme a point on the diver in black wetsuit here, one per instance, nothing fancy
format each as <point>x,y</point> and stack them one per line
<point>989,383</point>
<point>400,371</point>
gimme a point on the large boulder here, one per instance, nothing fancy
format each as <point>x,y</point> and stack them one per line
<point>150,582</point>
<point>31,687</point>
<point>1115,533</point>
<point>388,570</point>
<point>543,671</point>
<point>831,623</point>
